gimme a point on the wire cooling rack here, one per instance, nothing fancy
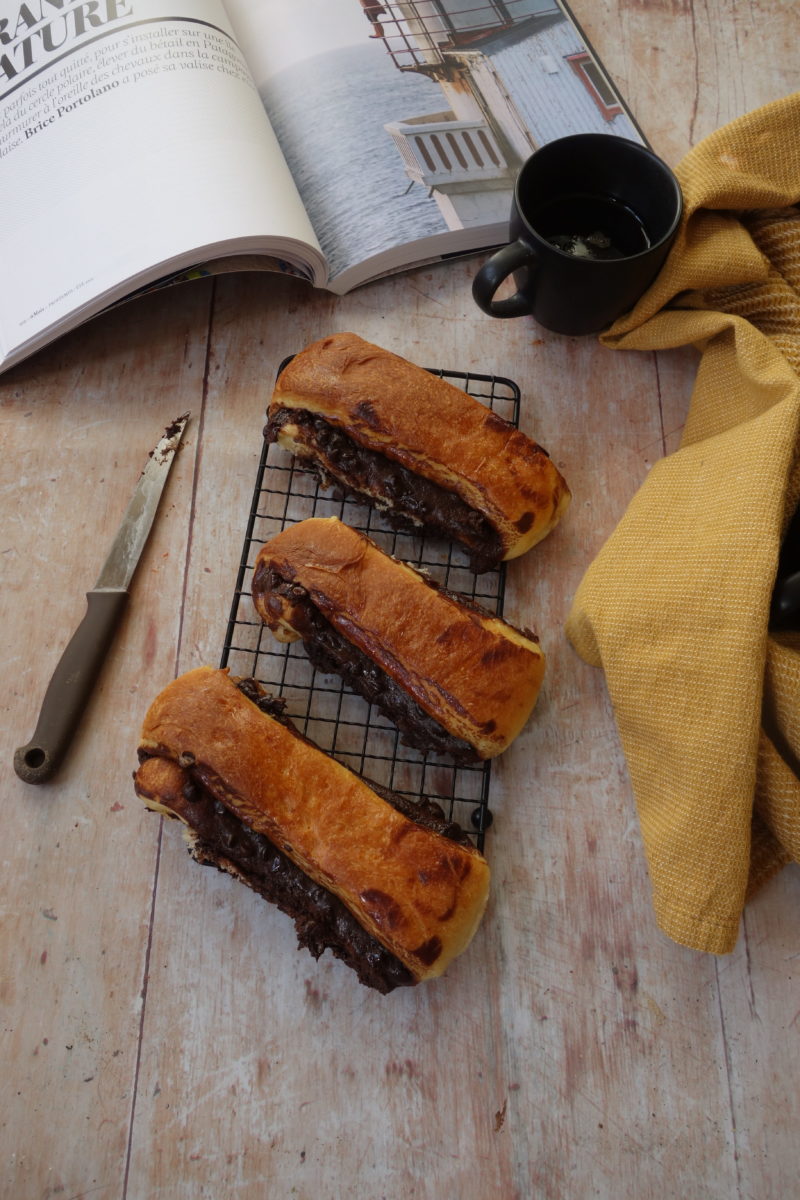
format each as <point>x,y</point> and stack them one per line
<point>321,707</point>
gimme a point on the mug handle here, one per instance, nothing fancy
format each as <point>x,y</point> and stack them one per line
<point>494,271</point>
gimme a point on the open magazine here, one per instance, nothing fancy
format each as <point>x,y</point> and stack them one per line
<point>338,140</point>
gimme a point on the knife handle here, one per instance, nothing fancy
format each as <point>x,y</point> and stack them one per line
<point>70,687</point>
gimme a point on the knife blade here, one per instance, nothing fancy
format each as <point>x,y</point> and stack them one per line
<point>69,689</point>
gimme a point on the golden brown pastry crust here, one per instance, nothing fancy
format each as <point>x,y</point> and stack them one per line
<point>419,894</point>
<point>160,782</point>
<point>472,672</point>
<point>388,404</point>
<point>222,840</point>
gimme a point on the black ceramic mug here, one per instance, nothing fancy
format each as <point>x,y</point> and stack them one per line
<point>592,220</point>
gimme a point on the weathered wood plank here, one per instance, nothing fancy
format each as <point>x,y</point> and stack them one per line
<point>78,856</point>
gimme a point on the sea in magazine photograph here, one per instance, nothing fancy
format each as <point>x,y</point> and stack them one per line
<point>328,113</point>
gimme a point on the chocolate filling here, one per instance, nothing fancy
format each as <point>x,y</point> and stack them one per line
<point>321,920</point>
<point>406,499</point>
<point>332,653</point>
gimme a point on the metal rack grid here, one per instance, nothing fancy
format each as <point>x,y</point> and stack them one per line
<point>320,706</point>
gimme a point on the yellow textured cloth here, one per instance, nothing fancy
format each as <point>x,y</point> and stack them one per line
<point>675,607</point>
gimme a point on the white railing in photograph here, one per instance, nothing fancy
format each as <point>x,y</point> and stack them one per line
<point>437,151</point>
<point>417,33</point>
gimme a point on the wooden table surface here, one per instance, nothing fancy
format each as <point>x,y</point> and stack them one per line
<point>161,1035</point>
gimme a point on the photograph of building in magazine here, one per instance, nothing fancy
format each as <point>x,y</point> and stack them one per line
<point>338,140</point>
<point>407,121</point>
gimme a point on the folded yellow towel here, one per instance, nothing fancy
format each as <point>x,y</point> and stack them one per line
<point>675,607</point>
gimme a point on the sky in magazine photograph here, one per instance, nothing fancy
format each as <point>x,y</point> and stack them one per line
<point>329,90</point>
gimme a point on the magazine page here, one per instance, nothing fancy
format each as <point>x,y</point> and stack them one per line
<point>404,122</point>
<point>132,143</point>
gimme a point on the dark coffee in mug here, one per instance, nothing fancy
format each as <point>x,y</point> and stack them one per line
<point>592,220</point>
<point>587,226</point>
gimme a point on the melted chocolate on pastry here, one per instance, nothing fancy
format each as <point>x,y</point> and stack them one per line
<point>321,920</point>
<point>332,653</point>
<point>406,499</point>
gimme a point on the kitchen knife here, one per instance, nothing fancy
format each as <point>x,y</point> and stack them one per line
<point>71,685</point>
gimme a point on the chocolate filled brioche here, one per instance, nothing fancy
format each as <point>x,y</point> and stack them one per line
<point>454,678</point>
<point>217,837</point>
<point>391,887</point>
<point>427,455</point>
